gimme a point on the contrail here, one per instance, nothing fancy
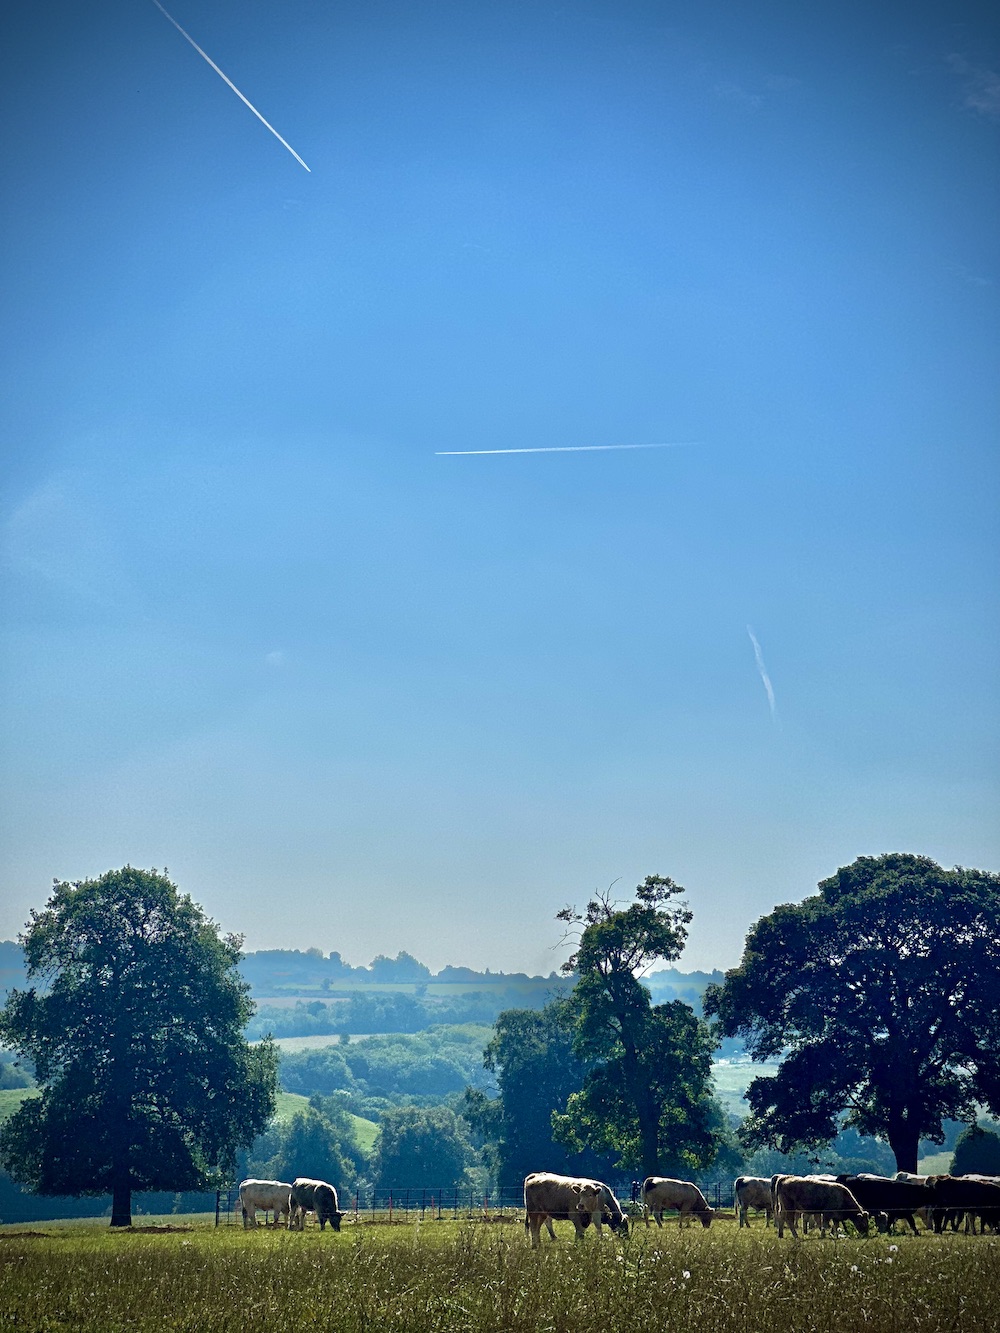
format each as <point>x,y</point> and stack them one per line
<point>232,85</point>
<point>759,657</point>
<point>554,449</point>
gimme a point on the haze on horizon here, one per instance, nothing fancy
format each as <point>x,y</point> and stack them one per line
<point>264,627</point>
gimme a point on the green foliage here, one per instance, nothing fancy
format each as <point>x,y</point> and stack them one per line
<point>374,1011</point>
<point>531,1053</point>
<point>977,1152</point>
<point>136,1038</point>
<point>404,967</point>
<point>318,1141</point>
<point>646,1094</point>
<point>879,994</point>
<point>434,1064</point>
<point>422,1148</point>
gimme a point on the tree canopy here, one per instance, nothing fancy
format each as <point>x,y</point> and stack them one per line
<point>136,1034</point>
<point>646,1095</point>
<point>421,1148</point>
<point>977,1152</point>
<point>531,1053</point>
<point>880,996</point>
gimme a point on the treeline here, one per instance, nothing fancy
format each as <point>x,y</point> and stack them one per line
<point>277,971</point>
<point>386,1011</point>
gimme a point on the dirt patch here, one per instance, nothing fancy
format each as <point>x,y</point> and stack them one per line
<point>148,1231</point>
<point>20,1235</point>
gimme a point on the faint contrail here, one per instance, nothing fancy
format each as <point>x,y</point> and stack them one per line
<point>555,449</point>
<point>759,656</point>
<point>230,82</point>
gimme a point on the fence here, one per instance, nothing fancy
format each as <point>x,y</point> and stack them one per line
<point>402,1204</point>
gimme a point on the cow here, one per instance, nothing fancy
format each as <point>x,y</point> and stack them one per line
<point>573,1198</point>
<point>660,1192</point>
<point>953,1195</point>
<point>796,1196</point>
<point>269,1196</point>
<point>808,1219</point>
<point>314,1196</point>
<point>753,1192</point>
<point>891,1199</point>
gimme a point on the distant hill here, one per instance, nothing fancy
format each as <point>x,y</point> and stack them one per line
<point>304,992</point>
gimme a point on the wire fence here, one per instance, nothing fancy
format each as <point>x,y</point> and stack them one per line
<point>403,1204</point>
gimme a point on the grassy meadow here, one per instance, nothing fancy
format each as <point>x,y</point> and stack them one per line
<point>452,1276</point>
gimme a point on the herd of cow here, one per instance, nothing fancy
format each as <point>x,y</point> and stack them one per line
<point>939,1202</point>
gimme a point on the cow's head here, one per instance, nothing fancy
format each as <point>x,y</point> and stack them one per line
<point>335,1220</point>
<point>861,1220</point>
<point>706,1215</point>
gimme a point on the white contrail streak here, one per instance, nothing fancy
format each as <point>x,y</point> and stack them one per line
<point>553,449</point>
<point>232,85</point>
<point>762,669</point>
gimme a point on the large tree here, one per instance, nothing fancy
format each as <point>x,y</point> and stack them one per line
<point>647,1093</point>
<point>881,996</point>
<point>136,1034</point>
<point>531,1053</point>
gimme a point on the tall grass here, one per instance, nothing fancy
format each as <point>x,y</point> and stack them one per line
<point>460,1276</point>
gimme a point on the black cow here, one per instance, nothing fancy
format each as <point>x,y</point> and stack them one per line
<point>891,1199</point>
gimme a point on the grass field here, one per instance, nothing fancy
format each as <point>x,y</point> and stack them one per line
<point>465,1276</point>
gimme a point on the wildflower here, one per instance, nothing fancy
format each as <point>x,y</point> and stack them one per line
<point>686,1274</point>
<point>854,1268</point>
<point>889,1260</point>
<point>893,1249</point>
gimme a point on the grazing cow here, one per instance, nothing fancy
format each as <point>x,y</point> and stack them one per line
<point>951,1196</point>
<point>576,1199</point>
<point>660,1192</point>
<point>808,1219</point>
<point>314,1196</point>
<point>830,1201</point>
<point>753,1192</point>
<point>270,1196</point>
<point>890,1199</point>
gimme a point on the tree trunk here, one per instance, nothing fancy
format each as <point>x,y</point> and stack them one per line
<point>121,1192</point>
<point>904,1143</point>
<point>645,1109</point>
<point>121,1205</point>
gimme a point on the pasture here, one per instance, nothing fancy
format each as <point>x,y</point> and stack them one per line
<point>472,1276</point>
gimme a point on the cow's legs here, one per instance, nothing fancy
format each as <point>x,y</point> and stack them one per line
<point>534,1228</point>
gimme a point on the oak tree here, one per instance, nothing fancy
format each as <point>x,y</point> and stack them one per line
<point>880,995</point>
<point>135,1028</point>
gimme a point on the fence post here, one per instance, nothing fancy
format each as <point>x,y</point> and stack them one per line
<point>217,1198</point>
<point>390,1207</point>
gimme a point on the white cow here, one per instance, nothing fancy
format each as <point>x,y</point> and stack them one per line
<point>270,1196</point>
<point>660,1192</point>
<point>801,1196</point>
<point>753,1192</point>
<point>573,1198</point>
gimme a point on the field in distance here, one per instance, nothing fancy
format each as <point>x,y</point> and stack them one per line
<point>455,1276</point>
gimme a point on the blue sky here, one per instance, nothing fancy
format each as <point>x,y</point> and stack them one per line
<point>360,696</point>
